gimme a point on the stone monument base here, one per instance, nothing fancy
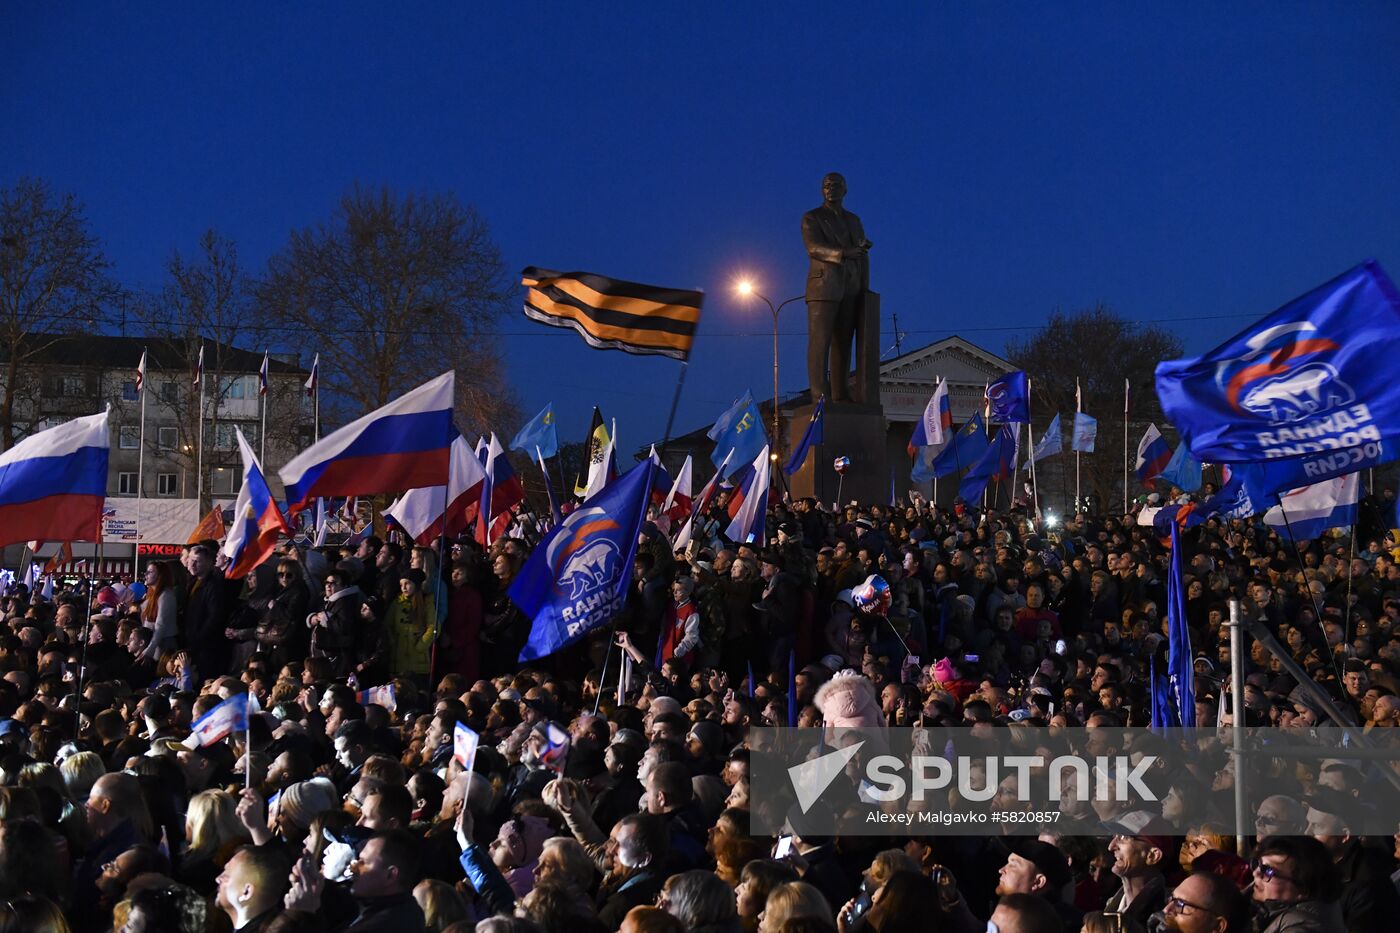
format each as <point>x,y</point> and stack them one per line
<point>848,430</point>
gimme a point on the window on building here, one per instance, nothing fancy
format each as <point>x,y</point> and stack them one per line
<point>233,387</point>
<point>129,437</point>
<point>223,481</point>
<point>129,393</point>
<point>72,385</point>
<point>167,438</point>
<point>165,484</point>
<point>170,391</point>
<point>126,484</point>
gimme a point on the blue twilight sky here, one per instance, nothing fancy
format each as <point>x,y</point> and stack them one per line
<point>1192,163</point>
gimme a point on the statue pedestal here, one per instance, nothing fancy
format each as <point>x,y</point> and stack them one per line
<point>848,430</point>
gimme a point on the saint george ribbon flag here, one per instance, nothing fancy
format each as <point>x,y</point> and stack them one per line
<point>404,445</point>
<point>611,314</point>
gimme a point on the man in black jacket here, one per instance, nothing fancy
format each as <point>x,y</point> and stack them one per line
<point>781,606</point>
<point>384,875</point>
<point>207,612</point>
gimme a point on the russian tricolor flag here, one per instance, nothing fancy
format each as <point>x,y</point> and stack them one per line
<point>403,445</point>
<point>53,484</point>
<point>678,502</point>
<point>1304,514</point>
<point>701,503</point>
<point>750,519</point>
<point>228,717</point>
<point>1153,455</point>
<point>936,425</point>
<point>501,490</point>
<point>257,521</point>
<point>430,512</point>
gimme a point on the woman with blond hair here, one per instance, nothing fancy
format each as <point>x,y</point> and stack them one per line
<point>794,899</point>
<point>442,906</point>
<point>213,832</point>
<point>80,772</point>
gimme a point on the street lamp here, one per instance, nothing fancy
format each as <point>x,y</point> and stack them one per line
<point>745,289</point>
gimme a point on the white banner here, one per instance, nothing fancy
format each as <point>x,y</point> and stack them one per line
<point>163,521</point>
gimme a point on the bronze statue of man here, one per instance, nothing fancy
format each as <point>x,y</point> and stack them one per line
<point>837,280</point>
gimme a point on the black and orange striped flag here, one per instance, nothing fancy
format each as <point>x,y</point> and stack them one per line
<point>612,314</point>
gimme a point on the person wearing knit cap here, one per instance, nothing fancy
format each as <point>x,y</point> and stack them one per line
<point>303,802</point>
<point>411,623</point>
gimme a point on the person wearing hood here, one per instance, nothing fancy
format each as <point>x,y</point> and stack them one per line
<point>411,624</point>
<point>333,628</point>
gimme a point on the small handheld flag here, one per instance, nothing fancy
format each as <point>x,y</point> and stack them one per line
<point>228,717</point>
<point>464,745</point>
<point>379,696</point>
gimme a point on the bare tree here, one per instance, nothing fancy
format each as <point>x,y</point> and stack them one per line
<point>53,283</point>
<point>392,290</point>
<point>208,299</point>
<point>1100,349</point>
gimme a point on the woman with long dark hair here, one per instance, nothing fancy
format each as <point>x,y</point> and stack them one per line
<point>159,610</point>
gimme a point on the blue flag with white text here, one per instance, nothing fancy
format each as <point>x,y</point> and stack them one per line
<point>1086,430</point>
<point>577,578</point>
<point>1308,381</point>
<point>738,435</point>
<point>541,433</point>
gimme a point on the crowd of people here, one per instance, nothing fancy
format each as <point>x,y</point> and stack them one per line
<point>594,805</point>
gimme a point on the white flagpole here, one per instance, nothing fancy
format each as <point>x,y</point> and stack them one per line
<point>1125,445</point>
<point>316,399</point>
<point>140,468</point>
<point>1078,407</point>
<point>263,390</point>
<point>1030,439</point>
<point>199,440</point>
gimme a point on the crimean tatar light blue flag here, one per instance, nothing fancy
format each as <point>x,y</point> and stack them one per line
<point>1306,382</point>
<point>577,578</point>
<point>1086,430</point>
<point>738,435</point>
<point>1182,470</point>
<point>1051,444</point>
<point>540,432</point>
<point>966,448</point>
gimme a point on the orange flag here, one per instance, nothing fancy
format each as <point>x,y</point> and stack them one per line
<point>64,556</point>
<point>211,527</point>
